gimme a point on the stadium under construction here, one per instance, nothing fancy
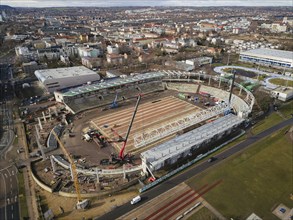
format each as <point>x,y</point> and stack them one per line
<point>184,131</point>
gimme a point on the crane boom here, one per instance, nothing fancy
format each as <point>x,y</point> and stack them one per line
<point>121,153</point>
<point>73,167</point>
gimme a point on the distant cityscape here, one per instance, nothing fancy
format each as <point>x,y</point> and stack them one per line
<point>146,112</point>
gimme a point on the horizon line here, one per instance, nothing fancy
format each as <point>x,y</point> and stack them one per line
<point>146,6</point>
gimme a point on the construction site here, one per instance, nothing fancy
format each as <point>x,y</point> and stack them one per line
<point>126,138</point>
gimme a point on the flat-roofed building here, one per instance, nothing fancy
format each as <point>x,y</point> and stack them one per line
<point>61,78</point>
<point>282,93</point>
<point>31,67</point>
<point>268,57</point>
<point>199,61</point>
<point>177,148</point>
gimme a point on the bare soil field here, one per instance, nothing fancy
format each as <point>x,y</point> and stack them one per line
<point>151,114</point>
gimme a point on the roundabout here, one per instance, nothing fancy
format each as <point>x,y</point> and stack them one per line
<point>271,80</point>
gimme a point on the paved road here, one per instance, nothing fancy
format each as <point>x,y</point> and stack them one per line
<point>9,208</point>
<point>165,186</point>
<point>6,128</point>
<point>220,70</point>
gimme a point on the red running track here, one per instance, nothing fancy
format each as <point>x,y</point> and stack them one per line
<point>176,201</point>
<point>191,200</point>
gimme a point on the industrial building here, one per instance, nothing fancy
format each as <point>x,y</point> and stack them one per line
<point>199,61</point>
<point>179,147</point>
<point>268,57</point>
<point>282,93</point>
<point>61,78</point>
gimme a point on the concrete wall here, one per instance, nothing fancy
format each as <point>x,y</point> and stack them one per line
<point>40,183</point>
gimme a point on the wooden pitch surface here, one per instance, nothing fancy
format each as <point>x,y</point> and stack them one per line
<point>149,115</point>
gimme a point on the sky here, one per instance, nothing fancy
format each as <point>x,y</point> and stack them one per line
<point>111,3</point>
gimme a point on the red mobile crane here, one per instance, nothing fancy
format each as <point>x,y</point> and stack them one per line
<point>121,153</point>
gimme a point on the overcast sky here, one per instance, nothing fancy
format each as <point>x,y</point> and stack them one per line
<point>110,3</point>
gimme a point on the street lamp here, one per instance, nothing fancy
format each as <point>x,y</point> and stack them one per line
<point>232,84</point>
<point>228,58</point>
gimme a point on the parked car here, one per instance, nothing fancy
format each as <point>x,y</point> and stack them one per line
<point>211,159</point>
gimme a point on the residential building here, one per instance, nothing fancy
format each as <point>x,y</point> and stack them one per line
<point>116,58</point>
<point>278,28</point>
<point>112,50</point>
<point>31,67</point>
<point>91,62</point>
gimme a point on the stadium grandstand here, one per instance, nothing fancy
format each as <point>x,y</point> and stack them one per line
<point>102,93</point>
<point>171,151</point>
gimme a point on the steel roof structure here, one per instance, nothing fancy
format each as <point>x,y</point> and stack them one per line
<point>112,83</point>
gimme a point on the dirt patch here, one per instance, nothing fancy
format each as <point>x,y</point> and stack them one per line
<point>63,208</point>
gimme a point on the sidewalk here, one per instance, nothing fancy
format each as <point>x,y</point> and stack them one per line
<point>213,210</point>
<point>28,182</point>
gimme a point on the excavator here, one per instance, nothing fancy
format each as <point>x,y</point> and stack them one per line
<point>114,104</point>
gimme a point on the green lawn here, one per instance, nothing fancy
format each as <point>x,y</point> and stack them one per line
<point>253,181</point>
<point>22,198</point>
<point>287,109</point>
<point>203,214</point>
<point>282,82</point>
<point>268,122</point>
<point>218,64</point>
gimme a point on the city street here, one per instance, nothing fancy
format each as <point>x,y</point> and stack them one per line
<point>9,207</point>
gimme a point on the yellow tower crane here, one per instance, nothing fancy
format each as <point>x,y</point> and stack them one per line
<point>81,203</point>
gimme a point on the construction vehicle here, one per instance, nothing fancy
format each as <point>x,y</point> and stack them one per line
<point>114,103</point>
<point>121,157</point>
<point>98,138</point>
<point>81,203</point>
<point>121,153</point>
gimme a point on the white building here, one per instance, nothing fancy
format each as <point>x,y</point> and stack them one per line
<point>61,78</point>
<point>112,50</point>
<point>283,93</point>
<point>278,28</point>
<point>199,61</point>
<point>288,21</point>
<point>89,52</point>
<point>177,148</point>
<point>268,57</point>
<point>21,51</point>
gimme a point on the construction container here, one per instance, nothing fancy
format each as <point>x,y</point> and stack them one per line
<point>181,96</point>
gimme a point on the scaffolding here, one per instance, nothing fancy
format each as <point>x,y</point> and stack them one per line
<point>151,135</point>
